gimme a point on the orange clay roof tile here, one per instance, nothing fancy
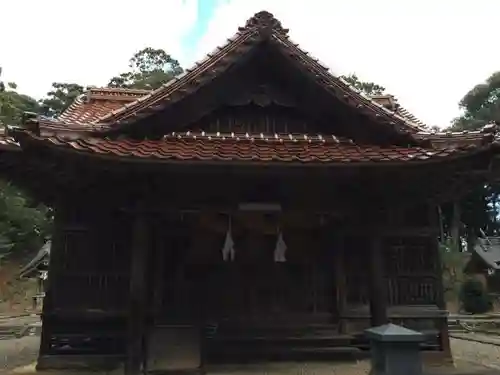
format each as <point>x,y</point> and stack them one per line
<point>242,148</point>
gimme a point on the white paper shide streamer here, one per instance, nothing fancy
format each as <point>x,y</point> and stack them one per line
<point>280,250</point>
<point>228,252</point>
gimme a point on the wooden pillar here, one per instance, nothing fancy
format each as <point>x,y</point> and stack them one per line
<point>378,289</point>
<point>55,264</point>
<point>137,299</point>
<point>340,281</point>
<point>444,338</point>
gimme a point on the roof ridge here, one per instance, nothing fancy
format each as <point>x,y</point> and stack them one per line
<point>488,129</point>
<point>123,90</point>
<point>77,102</point>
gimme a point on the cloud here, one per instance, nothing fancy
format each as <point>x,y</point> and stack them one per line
<point>86,42</point>
<point>428,53</point>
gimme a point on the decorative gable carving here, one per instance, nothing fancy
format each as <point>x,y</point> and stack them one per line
<point>263,95</point>
<point>265,24</point>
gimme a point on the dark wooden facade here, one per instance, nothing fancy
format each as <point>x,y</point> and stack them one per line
<point>140,225</point>
<point>344,272</point>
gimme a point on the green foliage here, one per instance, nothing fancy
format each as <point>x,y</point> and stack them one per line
<point>59,98</point>
<point>369,88</point>
<point>149,69</point>
<point>474,298</point>
<point>24,225</point>
<point>481,105</point>
<point>479,211</point>
<point>13,104</point>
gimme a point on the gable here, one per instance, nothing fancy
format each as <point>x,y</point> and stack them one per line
<point>262,29</point>
<point>273,90</point>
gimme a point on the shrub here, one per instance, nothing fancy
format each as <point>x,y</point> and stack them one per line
<point>474,297</point>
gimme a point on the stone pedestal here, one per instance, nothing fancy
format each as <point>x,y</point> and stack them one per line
<point>395,350</point>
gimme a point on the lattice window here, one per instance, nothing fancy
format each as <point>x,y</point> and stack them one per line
<point>356,270</point>
<point>410,268</point>
<point>93,267</point>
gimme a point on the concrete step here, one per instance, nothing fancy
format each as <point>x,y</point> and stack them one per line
<point>280,353</point>
<point>250,342</point>
<point>10,332</point>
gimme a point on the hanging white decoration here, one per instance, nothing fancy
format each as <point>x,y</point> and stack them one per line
<point>228,252</point>
<point>280,250</point>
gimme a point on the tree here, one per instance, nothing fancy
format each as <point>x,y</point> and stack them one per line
<point>24,226</point>
<point>481,105</point>
<point>13,104</point>
<point>474,297</point>
<point>59,98</point>
<point>369,88</point>
<point>149,69</point>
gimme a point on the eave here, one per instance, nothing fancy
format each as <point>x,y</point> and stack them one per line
<point>272,150</point>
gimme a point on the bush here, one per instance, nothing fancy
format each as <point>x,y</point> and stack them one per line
<point>474,297</point>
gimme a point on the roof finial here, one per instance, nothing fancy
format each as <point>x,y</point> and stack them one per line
<point>265,23</point>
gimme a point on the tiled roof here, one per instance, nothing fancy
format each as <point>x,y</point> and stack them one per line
<point>457,139</point>
<point>246,148</point>
<point>95,103</point>
<point>391,103</point>
<point>262,26</point>
<point>38,263</point>
<point>85,112</point>
<point>489,250</point>
<point>100,108</point>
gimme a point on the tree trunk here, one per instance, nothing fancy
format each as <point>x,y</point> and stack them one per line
<point>455,227</point>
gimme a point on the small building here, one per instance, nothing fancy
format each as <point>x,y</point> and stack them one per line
<point>37,268</point>
<point>483,263</point>
<point>256,199</point>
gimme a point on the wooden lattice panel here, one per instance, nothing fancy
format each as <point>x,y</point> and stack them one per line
<point>410,269</point>
<point>91,269</point>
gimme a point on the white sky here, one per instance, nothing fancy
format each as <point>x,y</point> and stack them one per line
<point>428,53</point>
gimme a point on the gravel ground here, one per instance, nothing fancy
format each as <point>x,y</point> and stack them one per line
<point>18,352</point>
<point>470,358</point>
<point>484,354</point>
